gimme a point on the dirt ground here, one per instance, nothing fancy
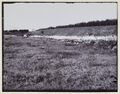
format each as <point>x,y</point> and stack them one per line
<point>49,64</point>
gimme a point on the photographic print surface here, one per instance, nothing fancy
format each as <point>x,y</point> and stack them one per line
<point>59,46</point>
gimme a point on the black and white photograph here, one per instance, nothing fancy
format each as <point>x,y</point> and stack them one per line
<point>60,46</point>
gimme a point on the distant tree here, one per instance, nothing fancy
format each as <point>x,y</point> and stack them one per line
<point>23,31</point>
<point>50,27</point>
<point>42,32</point>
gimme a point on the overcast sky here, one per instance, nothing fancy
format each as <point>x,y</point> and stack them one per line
<point>34,16</point>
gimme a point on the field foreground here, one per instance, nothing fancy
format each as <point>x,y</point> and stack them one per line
<point>50,64</point>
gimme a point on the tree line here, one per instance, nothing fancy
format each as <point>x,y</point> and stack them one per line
<point>90,23</point>
<point>82,24</point>
<point>17,32</point>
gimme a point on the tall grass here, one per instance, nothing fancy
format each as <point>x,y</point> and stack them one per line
<point>49,64</point>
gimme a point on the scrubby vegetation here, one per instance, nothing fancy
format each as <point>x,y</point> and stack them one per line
<point>49,64</point>
<point>16,32</point>
<point>90,23</point>
<point>79,31</point>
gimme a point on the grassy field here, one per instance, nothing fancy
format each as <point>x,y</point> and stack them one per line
<point>49,64</point>
<point>78,31</point>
